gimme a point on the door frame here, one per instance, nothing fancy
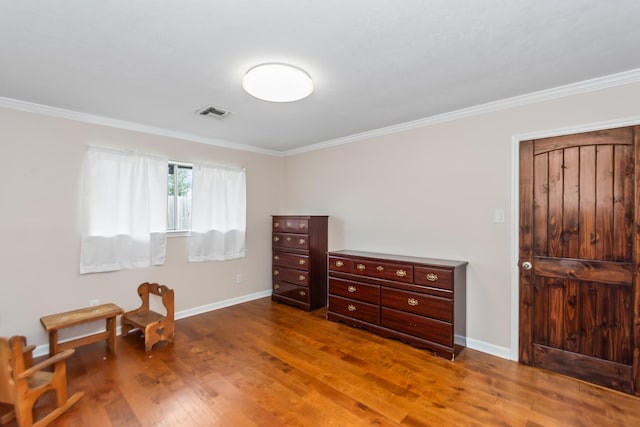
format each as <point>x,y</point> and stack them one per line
<point>515,209</point>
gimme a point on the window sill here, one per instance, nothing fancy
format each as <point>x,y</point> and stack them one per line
<point>178,233</point>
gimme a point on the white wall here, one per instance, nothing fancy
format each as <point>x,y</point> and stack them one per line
<point>432,192</point>
<point>40,225</point>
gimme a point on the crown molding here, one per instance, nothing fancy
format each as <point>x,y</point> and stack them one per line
<point>599,83</point>
<point>62,113</point>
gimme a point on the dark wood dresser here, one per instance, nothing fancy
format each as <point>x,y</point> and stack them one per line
<point>299,272</point>
<point>420,301</point>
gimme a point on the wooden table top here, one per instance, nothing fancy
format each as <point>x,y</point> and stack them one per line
<point>75,317</point>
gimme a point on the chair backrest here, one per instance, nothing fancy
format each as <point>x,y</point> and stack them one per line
<point>162,291</point>
<point>8,365</point>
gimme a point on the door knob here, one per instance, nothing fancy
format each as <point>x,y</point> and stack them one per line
<point>526,265</point>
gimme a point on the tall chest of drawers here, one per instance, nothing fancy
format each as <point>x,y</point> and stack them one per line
<point>420,301</point>
<point>299,270</point>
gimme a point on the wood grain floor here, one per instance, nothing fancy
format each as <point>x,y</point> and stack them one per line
<point>267,364</point>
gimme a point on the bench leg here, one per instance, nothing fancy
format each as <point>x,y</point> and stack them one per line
<point>53,343</point>
<point>112,340</point>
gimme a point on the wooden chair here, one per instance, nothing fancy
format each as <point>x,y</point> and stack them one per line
<point>155,326</point>
<point>22,384</point>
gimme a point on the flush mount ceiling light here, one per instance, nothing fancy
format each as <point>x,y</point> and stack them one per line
<point>277,82</point>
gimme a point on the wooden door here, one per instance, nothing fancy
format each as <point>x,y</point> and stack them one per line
<point>579,232</point>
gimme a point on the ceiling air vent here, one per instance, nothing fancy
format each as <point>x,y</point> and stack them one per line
<point>210,111</point>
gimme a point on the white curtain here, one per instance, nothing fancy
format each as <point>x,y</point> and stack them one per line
<point>124,210</point>
<point>218,214</point>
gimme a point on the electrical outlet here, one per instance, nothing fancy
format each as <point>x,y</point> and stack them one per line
<point>239,278</point>
<point>94,302</point>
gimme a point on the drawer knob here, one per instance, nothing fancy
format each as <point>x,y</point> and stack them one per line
<point>276,286</point>
<point>432,277</point>
<point>412,302</point>
<point>302,293</point>
<point>276,225</point>
<point>302,262</point>
<point>401,273</point>
<point>351,307</point>
<point>276,239</point>
<point>288,239</point>
<point>361,267</point>
<point>276,272</point>
<point>301,241</point>
<point>339,264</point>
<point>351,288</point>
<point>276,257</point>
<point>380,268</point>
<point>302,225</point>
<point>301,278</point>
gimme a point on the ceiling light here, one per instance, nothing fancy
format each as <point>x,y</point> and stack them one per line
<point>277,82</point>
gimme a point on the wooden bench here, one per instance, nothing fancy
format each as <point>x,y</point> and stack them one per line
<point>156,327</point>
<point>53,323</point>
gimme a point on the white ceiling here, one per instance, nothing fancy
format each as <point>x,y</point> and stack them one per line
<point>375,63</point>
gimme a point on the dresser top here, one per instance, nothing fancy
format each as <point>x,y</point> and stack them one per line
<point>403,258</point>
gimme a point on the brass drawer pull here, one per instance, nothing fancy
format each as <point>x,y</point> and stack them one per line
<point>302,293</point>
<point>276,257</point>
<point>302,278</point>
<point>302,262</point>
<point>301,241</point>
<point>412,302</point>
<point>361,267</point>
<point>276,272</point>
<point>339,264</point>
<point>401,273</point>
<point>276,286</point>
<point>302,225</point>
<point>276,239</point>
<point>351,307</point>
<point>380,268</point>
<point>351,289</point>
<point>276,225</point>
<point>288,239</point>
<point>432,277</point>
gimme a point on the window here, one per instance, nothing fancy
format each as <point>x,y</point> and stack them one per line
<point>179,185</point>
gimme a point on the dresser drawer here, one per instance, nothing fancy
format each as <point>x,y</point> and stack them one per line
<point>291,241</point>
<point>340,264</point>
<point>358,310</point>
<point>383,270</point>
<point>412,302</point>
<point>298,261</point>
<point>355,290</point>
<point>418,326</point>
<point>298,277</point>
<point>434,277</point>
<point>290,225</point>
<point>299,293</point>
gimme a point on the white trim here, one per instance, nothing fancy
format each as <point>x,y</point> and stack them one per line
<point>485,347</point>
<point>31,107</point>
<point>515,206</point>
<point>43,349</point>
<point>599,83</point>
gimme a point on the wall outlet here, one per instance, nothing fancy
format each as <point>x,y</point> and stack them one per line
<point>94,302</point>
<point>239,278</point>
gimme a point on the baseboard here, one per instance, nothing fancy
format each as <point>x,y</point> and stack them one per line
<point>485,347</point>
<point>43,349</point>
<point>482,346</point>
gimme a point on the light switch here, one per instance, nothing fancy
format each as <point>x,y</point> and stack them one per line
<point>498,216</point>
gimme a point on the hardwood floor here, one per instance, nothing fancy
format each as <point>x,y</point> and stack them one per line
<point>266,364</point>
